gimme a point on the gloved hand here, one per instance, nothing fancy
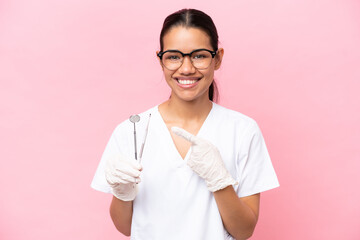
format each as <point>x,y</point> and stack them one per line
<point>122,174</point>
<point>205,160</point>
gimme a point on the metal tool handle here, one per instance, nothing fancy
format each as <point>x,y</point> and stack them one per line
<point>135,142</point>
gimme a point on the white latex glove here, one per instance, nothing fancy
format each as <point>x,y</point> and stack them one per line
<point>205,160</point>
<point>123,174</point>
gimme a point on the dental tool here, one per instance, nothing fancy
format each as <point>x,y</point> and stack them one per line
<point>134,119</point>
<point>143,144</point>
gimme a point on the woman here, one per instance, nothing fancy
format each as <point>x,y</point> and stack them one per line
<point>203,166</point>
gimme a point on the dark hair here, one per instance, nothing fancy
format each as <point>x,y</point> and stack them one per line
<point>196,19</point>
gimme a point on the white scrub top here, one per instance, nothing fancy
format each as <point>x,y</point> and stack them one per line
<point>173,202</point>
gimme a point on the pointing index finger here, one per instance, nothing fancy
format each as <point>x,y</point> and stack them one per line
<point>184,134</point>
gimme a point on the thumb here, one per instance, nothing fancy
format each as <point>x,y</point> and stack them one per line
<point>184,134</point>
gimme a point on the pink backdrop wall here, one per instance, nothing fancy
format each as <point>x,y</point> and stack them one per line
<point>70,71</point>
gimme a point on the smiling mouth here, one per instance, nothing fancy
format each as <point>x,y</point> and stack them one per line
<point>187,81</point>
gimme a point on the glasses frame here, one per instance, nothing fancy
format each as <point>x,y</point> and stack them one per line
<point>213,54</point>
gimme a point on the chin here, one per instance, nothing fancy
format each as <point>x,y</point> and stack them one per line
<point>190,97</point>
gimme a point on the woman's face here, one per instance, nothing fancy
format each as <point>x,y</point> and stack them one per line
<point>187,82</point>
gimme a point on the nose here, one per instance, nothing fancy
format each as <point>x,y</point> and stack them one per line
<point>187,67</point>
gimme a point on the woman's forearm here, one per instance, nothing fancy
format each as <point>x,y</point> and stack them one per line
<point>239,217</point>
<point>121,215</point>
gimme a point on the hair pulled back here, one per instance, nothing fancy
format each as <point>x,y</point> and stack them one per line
<point>196,19</point>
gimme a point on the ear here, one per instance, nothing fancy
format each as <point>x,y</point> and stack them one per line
<point>157,52</point>
<point>218,58</point>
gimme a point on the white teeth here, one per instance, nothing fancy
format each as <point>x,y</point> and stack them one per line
<point>187,81</point>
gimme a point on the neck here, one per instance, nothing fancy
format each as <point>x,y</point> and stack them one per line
<point>188,110</point>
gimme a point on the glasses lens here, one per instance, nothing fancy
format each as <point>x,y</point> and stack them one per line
<point>201,59</point>
<point>172,60</point>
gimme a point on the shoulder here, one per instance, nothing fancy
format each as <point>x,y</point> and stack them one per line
<point>232,118</point>
<point>234,124</point>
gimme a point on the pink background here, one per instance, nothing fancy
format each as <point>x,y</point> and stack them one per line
<point>71,70</point>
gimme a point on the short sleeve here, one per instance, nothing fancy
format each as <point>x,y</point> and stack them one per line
<point>113,146</point>
<point>256,171</point>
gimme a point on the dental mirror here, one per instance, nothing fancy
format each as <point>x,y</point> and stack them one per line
<point>134,119</point>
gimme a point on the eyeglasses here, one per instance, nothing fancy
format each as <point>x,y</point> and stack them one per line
<point>173,59</point>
